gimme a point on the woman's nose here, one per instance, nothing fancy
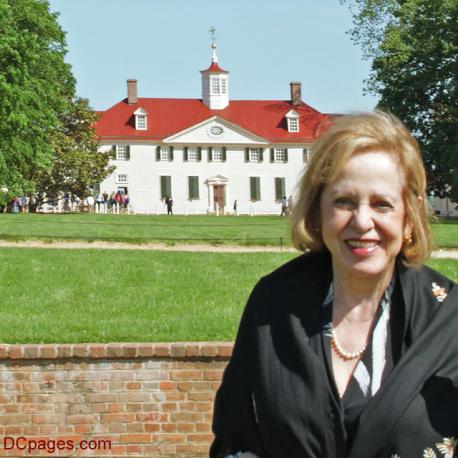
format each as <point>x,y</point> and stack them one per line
<point>362,218</point>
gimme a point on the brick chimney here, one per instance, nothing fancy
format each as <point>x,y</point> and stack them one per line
<point>131,92</point>
<point>296,97</point>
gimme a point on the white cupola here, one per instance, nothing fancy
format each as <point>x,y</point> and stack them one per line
<point>215,83</point>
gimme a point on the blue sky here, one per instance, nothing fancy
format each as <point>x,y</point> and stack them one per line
<point>264,44</point>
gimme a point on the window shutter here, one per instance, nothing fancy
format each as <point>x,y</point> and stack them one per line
<point>170,153</point>
<point>210,154</point>
<point>163,187</point>
<point>113,152</point>
<point>272,155</point>
<point>252,188</point>
<point>193,187</point>
<point>185,153</point>
<point>247,154</point>
<point>128,153</point>
<point>158,153</point>
<point>258,188</point>
<point>224,153</point>
<point>199,153</point>
<point>261,154</point>
<point>278,191</point>
<point>168,185</point>
<point>285,155</point>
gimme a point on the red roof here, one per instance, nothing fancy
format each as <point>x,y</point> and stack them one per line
<point>265,118</point>
<point>214,68</point>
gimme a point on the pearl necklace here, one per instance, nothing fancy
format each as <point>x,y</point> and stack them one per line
<point>340,352</point>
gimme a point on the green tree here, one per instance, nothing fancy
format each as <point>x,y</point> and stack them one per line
<point>36,87</point>
<point>77,168</point>
<point>413,45</point>
<point>47,139</point>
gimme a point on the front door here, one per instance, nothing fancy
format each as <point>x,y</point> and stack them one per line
<point>218,197</point>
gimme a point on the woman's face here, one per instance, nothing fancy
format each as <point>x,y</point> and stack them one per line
<point>363,215</point>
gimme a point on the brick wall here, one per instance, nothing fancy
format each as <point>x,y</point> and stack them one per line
<point>149,400</point>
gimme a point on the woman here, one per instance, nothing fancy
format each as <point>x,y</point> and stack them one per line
<point>350,350</point>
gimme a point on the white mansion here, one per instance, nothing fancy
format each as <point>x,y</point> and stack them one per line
<point>207,153</point>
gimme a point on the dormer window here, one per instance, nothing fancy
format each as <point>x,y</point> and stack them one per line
<point>140,119</point>
<point>292,119</point>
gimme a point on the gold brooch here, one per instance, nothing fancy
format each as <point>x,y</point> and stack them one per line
<point>438,292</point>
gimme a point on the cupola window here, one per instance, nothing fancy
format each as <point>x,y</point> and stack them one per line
<point>141,121</point>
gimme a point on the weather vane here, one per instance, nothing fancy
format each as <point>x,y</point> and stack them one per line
<point>212,33</point>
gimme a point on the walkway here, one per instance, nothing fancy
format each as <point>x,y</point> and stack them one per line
<point>452,254</point>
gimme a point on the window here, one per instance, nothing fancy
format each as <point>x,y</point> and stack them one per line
<point>293,125</point>
<point>279,155</point>
<point>122,152</point>
<point>121,178</point>
<point>280,189</point>
<point>306,152</point>
<point>141,122</point>
<point>217,154</point>
<point>140,119</point>
<point>192,154</point>
<point>166,186</point>
<point>223,86</point>
<point>193,187</point>
<point>254,155</point>
<point>255,188</point>
<point>164,153</point>
<point>215,86</point>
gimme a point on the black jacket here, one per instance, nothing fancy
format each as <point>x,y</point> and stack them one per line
<point>276,400</point>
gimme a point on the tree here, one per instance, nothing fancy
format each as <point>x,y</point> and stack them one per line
<point>413,45</point>
<point>47,137</point>
<point>77,167</point>
<point>36,86</point>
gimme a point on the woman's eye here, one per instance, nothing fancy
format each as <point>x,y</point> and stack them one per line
<point>384,205</point>
<point>342,202</point>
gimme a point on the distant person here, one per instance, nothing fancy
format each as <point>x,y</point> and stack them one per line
<point>284,206</point>
<point>235,207</point>
<point>169,204</point>
<point>290,204</point>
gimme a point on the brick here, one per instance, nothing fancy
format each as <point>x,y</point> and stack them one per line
<point>192,350</point>
<point>186,375</point>
<point>97,351</point>
<point>4,351</point>
<point>169,428</point>
<point>50,419</point>
<point>178,350</point>
<point>162,349</point>
<point>204,406</point>
<point>30,351</point>
<point>225,349</point>
<point>117,417</point>
<point>81,350</point>
<point>213,375</point>
<point>137,427</point>
<point>168,449</point>
<point>133,386</point>
<point>207,438</point>
<point>172,438</point>
<point>201,396</point>
<point>83,429</point>
<point>115,408</point>
<point>82,419</point>
<point>203,427</point>
<point>145,350</point>
<point>135,438</point>
<point>167,386</point>
<point>186,417</point>
<point>186,427</point>
<point>209,350</point>
<point>64,350</point>
<point>168,406</point>
<point>47,351</point>
<point>152,427</point>
<point>129,350</point>
<point>15,419</point>
<point>16,351</point>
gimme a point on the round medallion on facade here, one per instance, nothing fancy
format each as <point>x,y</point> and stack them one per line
<point>216,130</point>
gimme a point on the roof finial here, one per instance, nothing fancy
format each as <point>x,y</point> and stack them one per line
<point>213,38</point>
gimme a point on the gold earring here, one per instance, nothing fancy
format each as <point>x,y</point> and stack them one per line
<point>408,239</point>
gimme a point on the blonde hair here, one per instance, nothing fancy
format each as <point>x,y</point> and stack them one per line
<point>350,135</point>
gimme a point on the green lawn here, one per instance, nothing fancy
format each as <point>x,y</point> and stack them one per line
<point>243,230</point>
<point>53,295</point>
<point>264,230</point>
